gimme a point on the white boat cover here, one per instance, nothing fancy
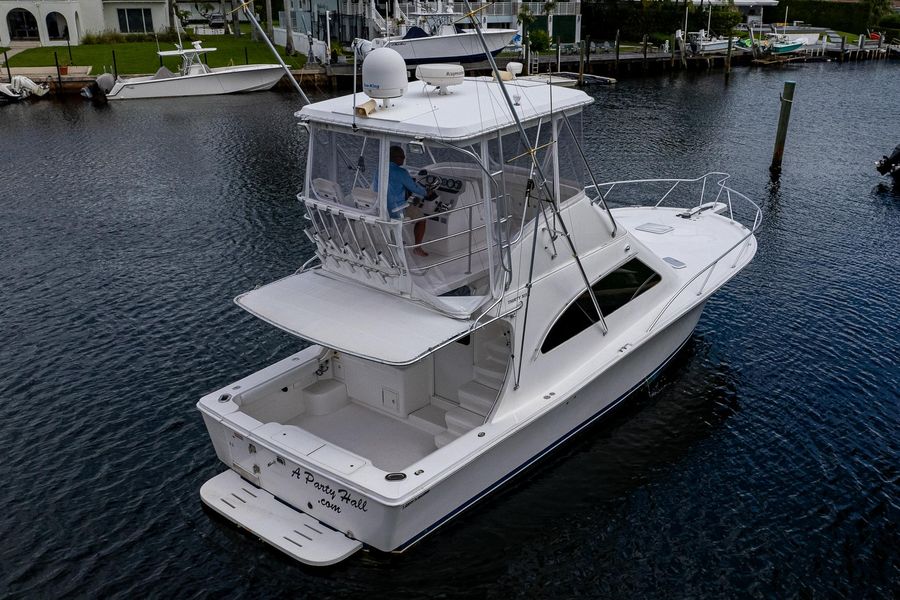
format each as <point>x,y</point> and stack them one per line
<point>352,318</point>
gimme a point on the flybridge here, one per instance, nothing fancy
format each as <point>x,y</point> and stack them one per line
<point>471,109</point>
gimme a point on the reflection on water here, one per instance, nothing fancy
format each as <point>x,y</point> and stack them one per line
<point>761,462</point>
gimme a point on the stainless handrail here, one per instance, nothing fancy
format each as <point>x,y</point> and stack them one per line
<point>720,179</point>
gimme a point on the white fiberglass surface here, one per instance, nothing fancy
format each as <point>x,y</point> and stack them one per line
<point>389,444</point>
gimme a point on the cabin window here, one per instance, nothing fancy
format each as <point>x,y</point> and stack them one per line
<point>612,291</point>
<point>135,20</point>
<point>343,169</point>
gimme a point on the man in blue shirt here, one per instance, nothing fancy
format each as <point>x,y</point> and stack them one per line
<point>400,184</point>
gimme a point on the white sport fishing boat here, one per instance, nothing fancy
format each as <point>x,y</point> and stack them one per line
<point>437,37</point>
<point>195,78</point>
<point>431,381</point>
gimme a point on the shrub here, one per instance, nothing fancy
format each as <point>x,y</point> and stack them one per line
<point>540,40</point>
<point>116,37</point>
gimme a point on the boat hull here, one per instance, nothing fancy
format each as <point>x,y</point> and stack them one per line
<point>390,527</point>
<point>249,78</point>
<point>462,47</point>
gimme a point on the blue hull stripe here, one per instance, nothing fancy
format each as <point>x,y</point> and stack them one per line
<point>539,455</point>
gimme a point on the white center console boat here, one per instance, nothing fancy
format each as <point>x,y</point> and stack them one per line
<point>430,381</point>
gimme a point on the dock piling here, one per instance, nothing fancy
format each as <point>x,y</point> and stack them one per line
<point>644,64</point>
<point>787,100</point>
<point>6,63</point>
<point>616,66</point>
<point>581,63</point>
<point>115,67</point>
<point>58,75</point>
<point>558,56</point>
<point>672,53</point>
<point>728,58</point>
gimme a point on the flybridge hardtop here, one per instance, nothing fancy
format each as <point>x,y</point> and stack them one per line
<point>474,107</point>
<point>473,302</point>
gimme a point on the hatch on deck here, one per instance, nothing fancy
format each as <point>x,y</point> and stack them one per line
<point>353,318</point>
<point>293,532</point>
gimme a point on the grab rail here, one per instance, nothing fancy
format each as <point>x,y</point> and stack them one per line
<point>719,180</point>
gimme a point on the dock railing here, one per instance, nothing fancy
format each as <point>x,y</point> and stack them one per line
<point>713,194</point>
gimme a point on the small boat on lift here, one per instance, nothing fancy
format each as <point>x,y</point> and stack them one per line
<point>19,88</point>
<point>455,341</point>
<point>781,44</point>
<point>194,78</point>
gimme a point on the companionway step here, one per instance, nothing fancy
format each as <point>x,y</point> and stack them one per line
<point>293,532</point>
<point>477,397</point>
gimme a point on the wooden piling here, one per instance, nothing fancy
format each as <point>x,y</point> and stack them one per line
<point>672,54</point>
<point>616,66</point>
<point>115,68</point>
<point>558,56</point>
<point>581,63</point>
<point>6,63</point>
<point>843,47</point>
<point>587,42</point>
<point>644,64</point>
<point>728,57</point>
<point>58,75</point>
<point>787,100</point>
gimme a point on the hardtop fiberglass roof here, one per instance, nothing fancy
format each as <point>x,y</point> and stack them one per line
<point>475,107</point>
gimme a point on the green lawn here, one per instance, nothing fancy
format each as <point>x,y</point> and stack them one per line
<point>140,57</point>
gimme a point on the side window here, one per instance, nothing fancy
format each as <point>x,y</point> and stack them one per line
<point>612,291</point>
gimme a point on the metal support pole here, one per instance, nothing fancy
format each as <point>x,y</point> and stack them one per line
<point>275,52</point>
<point>6,62</point>
<point>72,60</point>
<point>787,99</point>
<point>115,68</point>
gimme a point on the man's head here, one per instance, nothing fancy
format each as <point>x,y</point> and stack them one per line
<point>397,156</point>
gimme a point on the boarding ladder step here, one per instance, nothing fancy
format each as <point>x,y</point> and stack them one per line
<point>295,533</point>
<point>477,397</point>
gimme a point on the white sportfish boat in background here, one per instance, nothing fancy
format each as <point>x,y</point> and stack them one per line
<point>195,78</point>
<point>430,381</point>
<point>436,37</point>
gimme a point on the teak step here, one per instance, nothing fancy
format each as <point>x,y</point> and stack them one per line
<point>477,397</point>
<point>291,531</point>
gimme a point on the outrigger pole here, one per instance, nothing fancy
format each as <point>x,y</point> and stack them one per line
<point>259,28</point>
<point>537,167</point>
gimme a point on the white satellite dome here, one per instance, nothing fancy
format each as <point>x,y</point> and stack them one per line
<point>440,75</point>
<point>384,74</point>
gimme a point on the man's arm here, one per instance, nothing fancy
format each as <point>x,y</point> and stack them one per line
<point>411,186</point>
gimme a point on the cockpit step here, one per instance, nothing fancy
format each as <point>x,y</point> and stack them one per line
<point>293,532</point>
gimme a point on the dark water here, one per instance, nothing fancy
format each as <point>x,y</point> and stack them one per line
<point>763,463</point>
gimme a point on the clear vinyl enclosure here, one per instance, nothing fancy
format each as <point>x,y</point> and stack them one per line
<point>441,229</point>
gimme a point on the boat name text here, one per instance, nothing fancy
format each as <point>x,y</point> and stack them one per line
<point>338,496</point>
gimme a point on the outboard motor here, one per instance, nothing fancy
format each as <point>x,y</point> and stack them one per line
<point>101,86</point>
<point>890,165</point>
